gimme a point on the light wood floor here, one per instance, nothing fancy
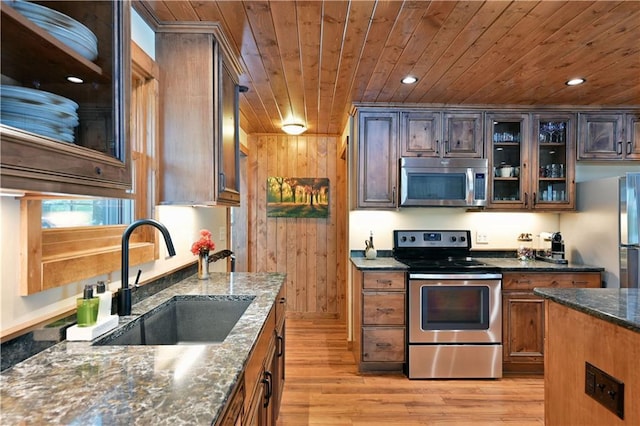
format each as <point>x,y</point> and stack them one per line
<point>323,387</point>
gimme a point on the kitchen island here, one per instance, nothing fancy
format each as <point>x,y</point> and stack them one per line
<point>77,383</point>
<point>588,329</point>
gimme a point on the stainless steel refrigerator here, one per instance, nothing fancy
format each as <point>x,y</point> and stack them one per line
<point>630,230</point>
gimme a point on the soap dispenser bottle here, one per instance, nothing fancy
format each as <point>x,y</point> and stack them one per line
<point>87,308</point>
<point>106,299</point>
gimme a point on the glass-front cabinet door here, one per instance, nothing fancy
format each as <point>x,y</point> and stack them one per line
<point>64,99</point>
<point>508,138</point>
<point>552,161</point>
<point>532,160</point>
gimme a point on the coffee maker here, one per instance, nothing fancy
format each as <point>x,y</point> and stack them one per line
<point>557,246</point>
<point>553,250</point>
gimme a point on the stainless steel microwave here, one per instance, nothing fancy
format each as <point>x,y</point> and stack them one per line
<point>446,182</point>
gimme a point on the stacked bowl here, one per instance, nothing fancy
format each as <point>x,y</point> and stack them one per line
<point>38,112</point>
<point>67,30</point>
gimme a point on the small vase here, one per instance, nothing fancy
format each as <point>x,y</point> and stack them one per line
<point>203,266</point>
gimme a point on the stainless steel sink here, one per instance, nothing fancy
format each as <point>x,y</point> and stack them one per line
<point>182,320</point>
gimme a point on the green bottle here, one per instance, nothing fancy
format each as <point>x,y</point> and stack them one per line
<point>87,314</point>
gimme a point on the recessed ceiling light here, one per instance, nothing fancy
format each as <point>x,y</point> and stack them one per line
<point>294,129</point>
<point>74,79</point>
<point>409,79</point>
<point>575,81</point>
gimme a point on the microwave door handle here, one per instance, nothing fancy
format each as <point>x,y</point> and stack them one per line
<point>470,185</point>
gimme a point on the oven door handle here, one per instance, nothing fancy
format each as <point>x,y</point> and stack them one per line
<point>456,276</point>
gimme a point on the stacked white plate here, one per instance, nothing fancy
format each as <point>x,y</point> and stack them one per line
<point>66,29</point>
<point>39,112</point>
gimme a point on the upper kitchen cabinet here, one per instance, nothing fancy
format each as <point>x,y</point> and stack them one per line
<point>60,136</point>
<point>376,179</point>
<point>441,134</point>
<point>508,140</point>
<point>552,161</point>
<point>199,116</point>
<point>609,136</point>
<point>532,161</point>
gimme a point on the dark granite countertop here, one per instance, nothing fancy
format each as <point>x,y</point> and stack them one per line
<point>506,264</point>
<point>617,306</point>
<point>379,263</point>
<point>516,265</point>
<point>76,383</point>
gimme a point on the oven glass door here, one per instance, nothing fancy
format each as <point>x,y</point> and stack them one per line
<point>454,307</point>
<point>455,311</point>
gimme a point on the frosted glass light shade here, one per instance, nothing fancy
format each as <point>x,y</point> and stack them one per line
<point>294,129</point>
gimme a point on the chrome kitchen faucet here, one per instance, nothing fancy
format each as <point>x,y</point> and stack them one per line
<point>124,294</point>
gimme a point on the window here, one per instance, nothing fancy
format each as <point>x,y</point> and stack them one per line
<point>86,212</point>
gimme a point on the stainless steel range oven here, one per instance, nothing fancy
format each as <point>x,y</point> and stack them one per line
<point>454,307</point>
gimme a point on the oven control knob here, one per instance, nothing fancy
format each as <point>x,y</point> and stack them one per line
<point>413,239</point>
<point>403,239</point>
<point>463,239</point>
<point>453,238</point>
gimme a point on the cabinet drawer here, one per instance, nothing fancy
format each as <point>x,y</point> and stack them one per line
<point>384,280</point>
<point>379,308</point>
<point>528,281</point>
<point>383,344</point>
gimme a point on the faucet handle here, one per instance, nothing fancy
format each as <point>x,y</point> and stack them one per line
<point>135,284</point>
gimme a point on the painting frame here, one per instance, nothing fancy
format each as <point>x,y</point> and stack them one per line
<point>298,197</point>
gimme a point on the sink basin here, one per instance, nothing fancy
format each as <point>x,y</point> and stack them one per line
<point>182,320</point>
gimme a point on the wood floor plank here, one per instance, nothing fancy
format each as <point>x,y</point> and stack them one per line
<point>323,387</point>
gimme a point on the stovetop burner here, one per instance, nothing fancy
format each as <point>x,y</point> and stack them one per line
<point>424,251</point>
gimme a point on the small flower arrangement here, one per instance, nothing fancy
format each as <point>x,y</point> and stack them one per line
<point>204,244</point>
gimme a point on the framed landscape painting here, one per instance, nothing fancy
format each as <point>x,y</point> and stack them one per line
<point>297,197</point>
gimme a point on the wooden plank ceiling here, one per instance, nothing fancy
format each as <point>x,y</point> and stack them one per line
<point>310,60</point>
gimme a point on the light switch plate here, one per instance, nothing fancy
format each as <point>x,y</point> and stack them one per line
<point>222,233</point>
<point>482,237</point>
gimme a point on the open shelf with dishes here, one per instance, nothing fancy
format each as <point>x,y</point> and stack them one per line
<point>57,135</point>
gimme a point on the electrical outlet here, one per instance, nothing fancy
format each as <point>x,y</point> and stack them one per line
<point>222,233</point>
<point>605,389</point>
<point>482,237</point>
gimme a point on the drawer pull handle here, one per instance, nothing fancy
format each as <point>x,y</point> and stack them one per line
<point>385,310</point>
<point>383,345</point>
<point>385,282</point>
<point>524,281</point>
<point>580,282</point>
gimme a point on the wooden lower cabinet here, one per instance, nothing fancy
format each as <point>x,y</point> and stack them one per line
<point>234,411</point>
<point>256,399</point>
<point>379,323</point>
<point>523,316</point>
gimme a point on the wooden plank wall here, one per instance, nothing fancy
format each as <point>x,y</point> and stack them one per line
<point>310,251</point>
